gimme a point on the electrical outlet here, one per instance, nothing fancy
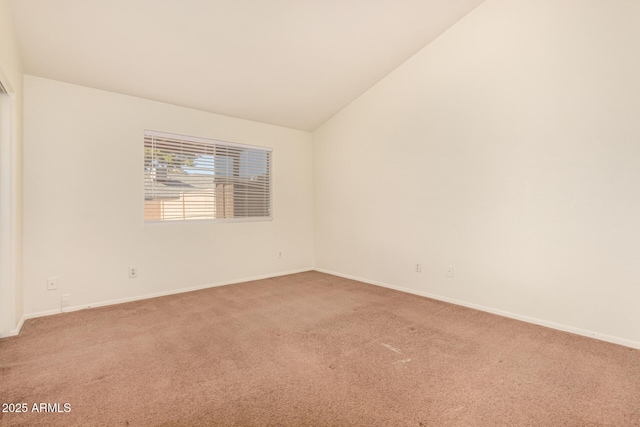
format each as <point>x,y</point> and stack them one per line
<point>450,272</point>
<point>64,300</point>
<point>52,284</point>
<point>133,272</point>
<point>418,268</point>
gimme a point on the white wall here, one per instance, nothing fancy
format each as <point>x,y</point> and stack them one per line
<point>83,205</point>
<point>11,180</point>
<point>510,149</point>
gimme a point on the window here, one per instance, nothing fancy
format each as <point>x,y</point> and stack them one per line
<point>188,178</point>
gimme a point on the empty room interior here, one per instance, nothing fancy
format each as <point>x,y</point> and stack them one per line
<point>319,213</point>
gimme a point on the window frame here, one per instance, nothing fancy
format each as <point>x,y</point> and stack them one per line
<point>210,141</point>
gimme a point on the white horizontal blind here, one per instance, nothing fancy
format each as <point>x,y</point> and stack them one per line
<point>188,178</point>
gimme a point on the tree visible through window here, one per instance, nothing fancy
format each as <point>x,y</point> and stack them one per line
<point>190,178</point>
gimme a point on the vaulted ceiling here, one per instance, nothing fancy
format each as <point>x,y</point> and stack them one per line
<point>293,63</point>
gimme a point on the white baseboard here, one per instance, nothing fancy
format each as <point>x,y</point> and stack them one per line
<point>155,295</point>
<point>536,321</point>
<point>15,331</point>
<point>565,328</point>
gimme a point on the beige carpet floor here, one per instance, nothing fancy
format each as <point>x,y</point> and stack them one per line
<point>311,349</point>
